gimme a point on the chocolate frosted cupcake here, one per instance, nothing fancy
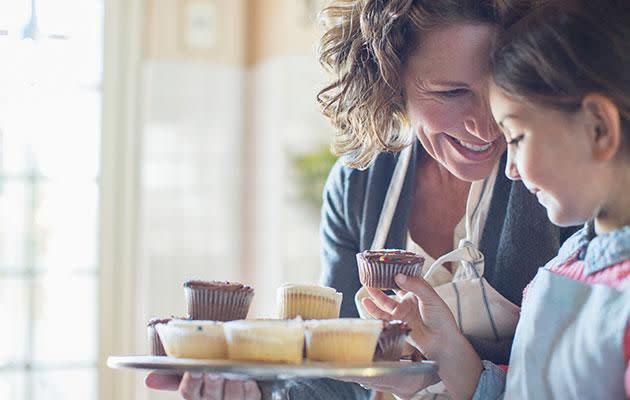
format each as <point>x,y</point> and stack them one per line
<point>391,341</point>
<point>155,344</point>
<point>377,268</point>
<point>218,301</point>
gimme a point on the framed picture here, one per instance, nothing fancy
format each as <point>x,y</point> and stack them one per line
<point>198,26</point>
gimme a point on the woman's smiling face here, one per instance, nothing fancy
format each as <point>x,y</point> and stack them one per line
<point>446,92</point>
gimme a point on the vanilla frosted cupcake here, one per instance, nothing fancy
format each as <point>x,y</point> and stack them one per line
<point>377,268</point>
<point>308,301</point>
<point>218,301</point>
<point>351,340</point>
<point>265,340</point>
<point>193,339</point>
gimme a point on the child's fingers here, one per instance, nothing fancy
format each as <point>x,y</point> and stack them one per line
<point>418,286</point>
<point>373,309</point>
<point>406,307</point>
<point>382,300</point>
<point>407,311</point>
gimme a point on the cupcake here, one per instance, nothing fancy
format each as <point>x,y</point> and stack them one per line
<point>347,340</point>
<point>193,339</point>
<point>265,340</point>
<point>218,301</point>
<point>155,344</point>
<point>377,268</point>
<point>308,302</point>
<point>391,341</point>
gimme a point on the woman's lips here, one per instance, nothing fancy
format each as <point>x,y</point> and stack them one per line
<point>473,151</point>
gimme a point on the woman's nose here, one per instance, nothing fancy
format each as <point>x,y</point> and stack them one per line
<point>510,168</point>
<point>480,123</point>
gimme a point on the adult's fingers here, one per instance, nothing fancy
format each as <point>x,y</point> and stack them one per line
<point>212,388</point>
<point>161,381</point>
<point>252,391</point>
<point>382,300</point>
<point>233,390</point>
<point>190,387</point>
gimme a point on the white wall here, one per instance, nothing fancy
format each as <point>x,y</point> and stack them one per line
<point>286,122</point>
<point>216,195</point>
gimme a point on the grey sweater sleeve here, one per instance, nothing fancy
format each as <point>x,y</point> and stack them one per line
<point>339,235</point>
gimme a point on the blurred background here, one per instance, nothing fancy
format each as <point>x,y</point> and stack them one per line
<point>144,143</point>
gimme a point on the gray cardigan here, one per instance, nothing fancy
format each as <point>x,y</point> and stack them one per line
<point>517,239</point>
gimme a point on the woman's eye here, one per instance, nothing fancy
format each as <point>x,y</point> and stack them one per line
<point>452,93</point>
<point>515,140</point>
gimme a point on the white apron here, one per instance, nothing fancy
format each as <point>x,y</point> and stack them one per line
<point>478,308</point>
<point>569,341</point>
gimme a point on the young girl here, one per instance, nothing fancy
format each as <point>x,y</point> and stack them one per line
<point>561,95</point>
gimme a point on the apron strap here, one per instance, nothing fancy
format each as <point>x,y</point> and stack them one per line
<point>391,199</point>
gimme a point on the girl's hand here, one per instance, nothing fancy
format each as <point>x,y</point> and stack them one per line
<point>197,386</point>
<point>434,332</point>
<point>427,315</point>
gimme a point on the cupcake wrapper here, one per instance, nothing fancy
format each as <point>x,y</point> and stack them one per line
<point>381,275</point>
<point>155,344</point>
<point>390,348</point>
<point>341,346</point>
<point>246,347</point>
<point>217,305</point>
<point>307,306</point>
<point>186,343</point>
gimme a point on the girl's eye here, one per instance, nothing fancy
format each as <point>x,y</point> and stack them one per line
<point>452,93</point>
<point>515,140</point>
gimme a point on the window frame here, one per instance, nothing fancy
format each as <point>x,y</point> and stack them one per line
<point>118,326</point>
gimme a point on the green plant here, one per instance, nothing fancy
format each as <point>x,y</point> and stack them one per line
<point>312,169</point>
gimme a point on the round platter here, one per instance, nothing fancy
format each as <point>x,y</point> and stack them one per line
<point>269,371</point>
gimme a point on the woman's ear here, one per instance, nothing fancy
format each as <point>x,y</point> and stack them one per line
<point>603,124</point>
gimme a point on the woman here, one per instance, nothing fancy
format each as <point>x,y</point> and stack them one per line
<point>407,69</point>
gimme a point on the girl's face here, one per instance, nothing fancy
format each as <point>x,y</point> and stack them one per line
<point>551,152</point>
<point>445,85</point>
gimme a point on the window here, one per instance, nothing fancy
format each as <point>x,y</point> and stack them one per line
<point>50,133</point>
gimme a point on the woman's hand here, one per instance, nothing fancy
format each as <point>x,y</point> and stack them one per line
<point>433,331</point>
<point>405,386</point>
<point>197,386</point>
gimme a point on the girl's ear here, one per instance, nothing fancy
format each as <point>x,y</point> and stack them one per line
<point>603,125</point>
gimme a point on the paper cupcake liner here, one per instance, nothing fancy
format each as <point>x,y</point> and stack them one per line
<point>289,350</point>
<point>307,306</point>
<point>184,343</point>
<point>217,305</point>
<point>156,348</point>
<point>248,342</point>
<point>340,346</point>
<point>390,348</point>
<point>381,275</point>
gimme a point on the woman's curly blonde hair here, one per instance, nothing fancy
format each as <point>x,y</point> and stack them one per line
<point>366,45</point>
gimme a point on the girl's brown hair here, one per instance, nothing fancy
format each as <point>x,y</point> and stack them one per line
<point>565,49</point>
<point>365,46</point>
